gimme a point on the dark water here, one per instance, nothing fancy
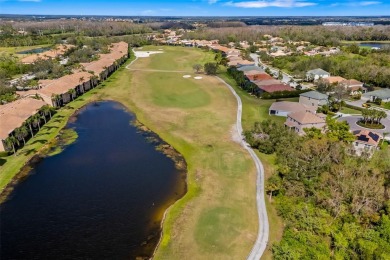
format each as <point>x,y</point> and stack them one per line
<point>374,44</point>
<point>101,198</point>
<point>37,50</point>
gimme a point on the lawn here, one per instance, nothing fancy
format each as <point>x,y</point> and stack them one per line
<point>14,50</point>
<point>217,218</point>
<point>347,110</point>
<point>254,110</point>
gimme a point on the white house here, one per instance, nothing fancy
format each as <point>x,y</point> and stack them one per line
<point>316,74</point>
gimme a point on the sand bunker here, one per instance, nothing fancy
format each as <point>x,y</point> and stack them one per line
<point>187,76</point>
<point>145,54</point>
<point>198,77</point>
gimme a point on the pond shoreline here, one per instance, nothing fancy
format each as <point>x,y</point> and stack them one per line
<point>59,143</point>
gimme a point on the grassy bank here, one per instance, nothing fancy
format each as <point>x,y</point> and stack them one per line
<point>216,219</point>
<point>45,138</point>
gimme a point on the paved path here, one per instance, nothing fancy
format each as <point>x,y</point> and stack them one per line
<point>263,231</point>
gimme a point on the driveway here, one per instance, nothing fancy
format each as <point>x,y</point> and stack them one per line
<point>351,120</point>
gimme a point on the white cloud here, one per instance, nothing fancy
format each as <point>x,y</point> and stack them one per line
<point>365,3</point>
<point>212,1</point>
<point>272,3</point>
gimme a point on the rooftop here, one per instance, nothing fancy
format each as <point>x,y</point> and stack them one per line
<point>276,87</point>
<point>314,95</point>
<point>367,137</point>
<point>304,118</point>
<point>14,114</point>
<point>290,106</point>
<point>318,72</point>
<point>382,93</point>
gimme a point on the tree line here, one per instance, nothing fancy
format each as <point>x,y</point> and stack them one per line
<point>334,204</point>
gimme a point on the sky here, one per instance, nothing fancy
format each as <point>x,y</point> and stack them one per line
<point>197,7</point>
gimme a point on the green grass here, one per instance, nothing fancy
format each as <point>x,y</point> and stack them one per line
<point>347,110</point>
<point>181,93</point>
<point>14,50</point>
<point>217,217</point>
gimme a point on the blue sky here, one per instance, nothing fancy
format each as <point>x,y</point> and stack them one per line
<point>197,7</point>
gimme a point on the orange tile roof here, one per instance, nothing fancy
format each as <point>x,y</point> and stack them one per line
<point>117,51</point>
<point>14,114</point>
<point>334,79</point>
<point>61,49</point>
<point>63,84</point>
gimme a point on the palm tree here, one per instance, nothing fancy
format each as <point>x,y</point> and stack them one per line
<point>36,120</point>
<point>21,133</point>
<point>29,122</point>
<point>81,80</point>
<point>10,143</point>
<point>46,110</point>
<point>55,98</point>
<point>71,92</point>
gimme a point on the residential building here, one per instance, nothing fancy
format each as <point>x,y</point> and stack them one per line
<point>14,114</point>
<point>366,142</point>
<point>355,86</point>
<point>334,80</point>
<point>383,94</point>
<point>313,99</point>
<point>316,74</point>
<point>284,108</point>
<point>300,120</point>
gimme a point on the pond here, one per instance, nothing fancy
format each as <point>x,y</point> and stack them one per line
<point>374,44</point>
<point>31,51</point>
<point>102,197</point>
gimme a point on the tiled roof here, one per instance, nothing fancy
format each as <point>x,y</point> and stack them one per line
<point>314,95</point>
<point>290,106</point>
<point>63,84</point>
<point>317,72</point>
<point>276,87</point>
<point>266,82</point>
<point>14,114</point>
<point>61,49</point>
<point>304,118</point>
<point>334,79</point>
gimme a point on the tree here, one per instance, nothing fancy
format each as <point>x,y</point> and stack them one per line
<point>267,70</point>
<point>197,67</point>
<point>56,98</point>
<point>218,58</point>
<point>21,134</point>
<point>211,68</point>
<point>29,122</point>
<point>339,131</point>
<point>340,91</point>
<point>10,142</point>
<point>72,93</point>
<point>280,75</point>
<point>36,119</point>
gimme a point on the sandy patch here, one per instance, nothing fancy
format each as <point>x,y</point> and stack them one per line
<point>145,54</point>
<point>187,76</point>
<point>198,77</point>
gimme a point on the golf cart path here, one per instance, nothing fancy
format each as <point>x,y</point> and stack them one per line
<point>263,230</point>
